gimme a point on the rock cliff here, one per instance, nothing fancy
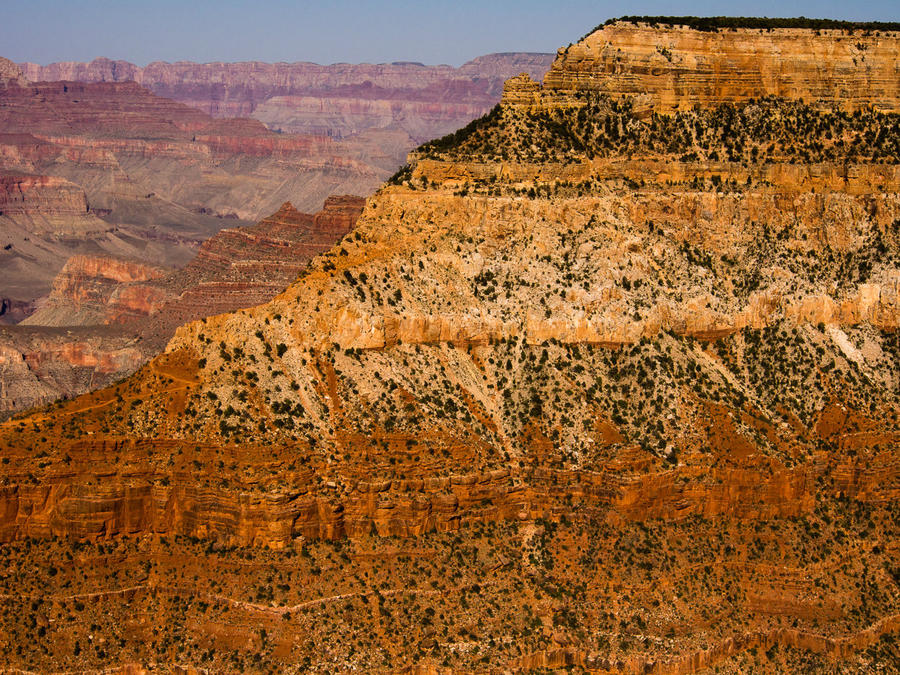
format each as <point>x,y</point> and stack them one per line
<point>677,67</point>
<point>10,72</point>
<point>87,284</point>
<point>591,384</point>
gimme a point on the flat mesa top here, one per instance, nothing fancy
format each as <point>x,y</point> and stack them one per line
<point>715,23</point>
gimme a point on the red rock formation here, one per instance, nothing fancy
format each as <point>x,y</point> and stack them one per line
<point>135,154</point>
<point>242,267</point>
<point>87,283</point>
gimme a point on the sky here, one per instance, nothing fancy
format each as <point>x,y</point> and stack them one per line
<point>331,31</point>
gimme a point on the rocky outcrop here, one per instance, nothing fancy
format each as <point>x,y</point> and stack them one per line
<point>240,267</point>
<point>108,302</point>
<point>678,67</point>
<point>10,72</point>
<point>132,501</point>
<point>49,204</point>
<point>86,284</point>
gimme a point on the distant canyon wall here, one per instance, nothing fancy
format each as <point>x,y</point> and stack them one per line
<point>338,99</point>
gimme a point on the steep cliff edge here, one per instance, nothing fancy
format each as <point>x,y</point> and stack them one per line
<point>671,67</point>
<point>585,387</point>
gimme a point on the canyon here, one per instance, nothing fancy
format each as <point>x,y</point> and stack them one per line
<point>420,102</point>
<point>606,381</point>
<point>149,163</point>
<point>112,169</point>
<point>94,167</point>
<point>120,313</point>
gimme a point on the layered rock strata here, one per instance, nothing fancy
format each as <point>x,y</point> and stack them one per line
<point>103,302</point>
<point>676,67</point>
<point>338,100</point>
<point>110,169</point>
<point>150,169</point>
<point>568,396</point>
<point>39,365</point>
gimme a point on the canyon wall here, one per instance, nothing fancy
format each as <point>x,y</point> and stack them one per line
<point>585,386</point>
<point>336,100</point>
<point>677,67</point>
<point>110,169</point>
<point>39,365</point>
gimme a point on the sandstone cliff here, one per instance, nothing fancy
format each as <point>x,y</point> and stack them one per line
<point>677,67</point>
<point>586,387</point>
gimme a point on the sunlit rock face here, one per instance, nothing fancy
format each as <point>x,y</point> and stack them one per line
<point>599,382</point>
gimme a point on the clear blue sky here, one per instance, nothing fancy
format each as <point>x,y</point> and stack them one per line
<point>328,31</point>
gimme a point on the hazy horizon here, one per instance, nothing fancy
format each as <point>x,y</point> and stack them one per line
<point>273,31</point>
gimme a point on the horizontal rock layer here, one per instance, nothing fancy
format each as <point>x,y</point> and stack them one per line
<point>671,67</point>
<point>557,401</point>
<point>285,95</point>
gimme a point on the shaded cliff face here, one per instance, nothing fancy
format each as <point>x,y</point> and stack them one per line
<point>585,388</point>
<point>106,316</point>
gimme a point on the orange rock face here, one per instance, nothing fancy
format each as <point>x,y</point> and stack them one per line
<point>677,67</point>
<point>584,388</point>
